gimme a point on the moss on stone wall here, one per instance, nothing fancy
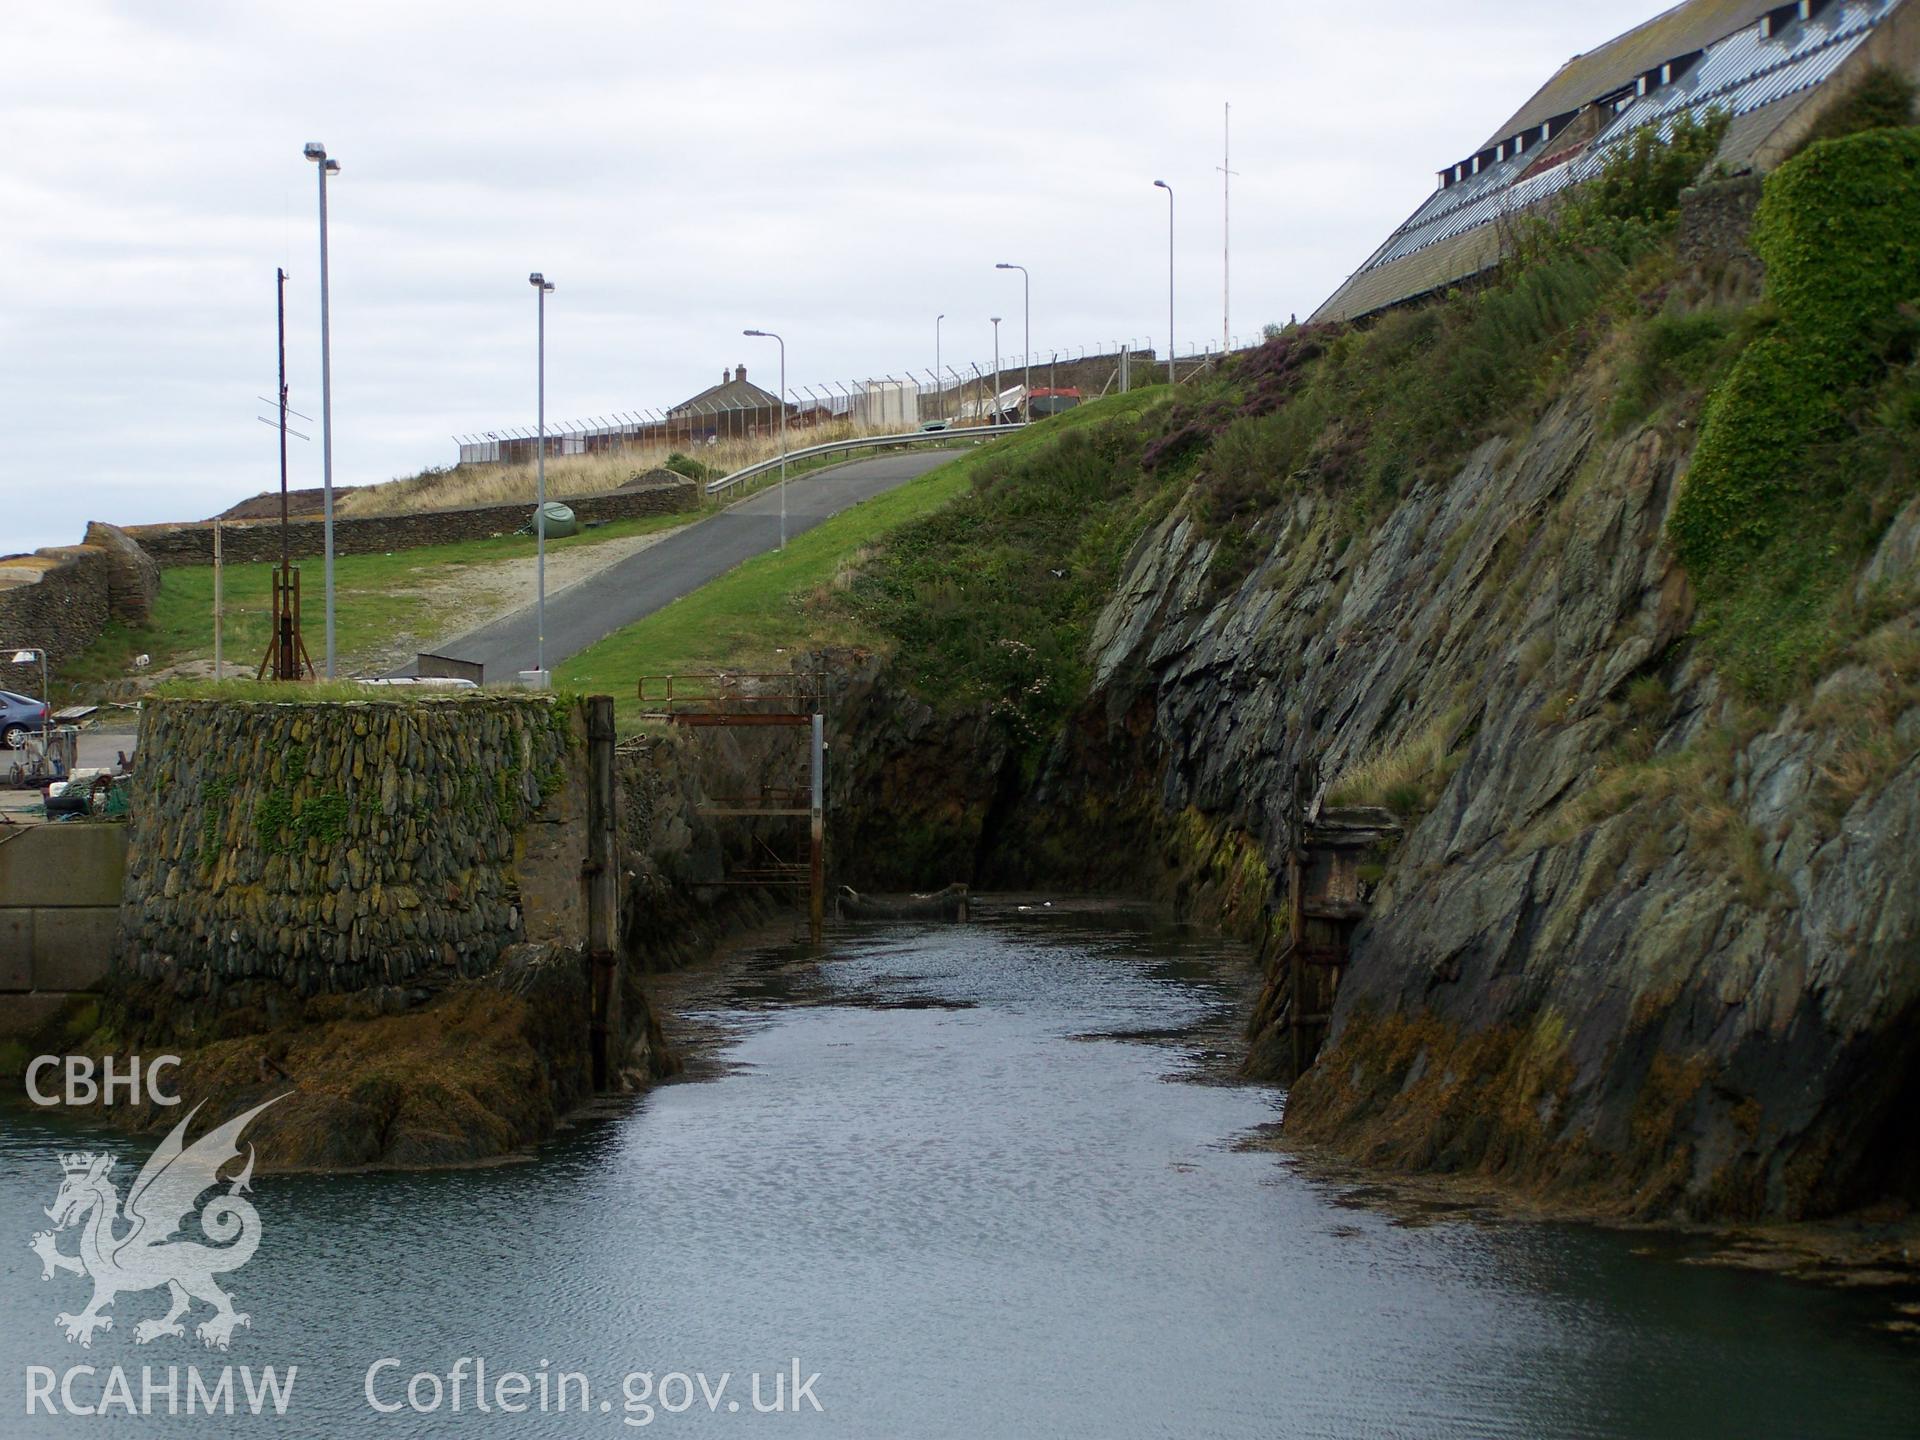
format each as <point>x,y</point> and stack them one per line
<point>335,847</point>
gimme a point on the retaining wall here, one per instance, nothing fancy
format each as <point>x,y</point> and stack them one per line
<point>1716,220</point>
<point>315,848</point>
<point>60,888</point>
<point>243,541</point>
<point>60,598</point>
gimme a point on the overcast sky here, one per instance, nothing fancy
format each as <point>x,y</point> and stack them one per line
<point>840,173</point>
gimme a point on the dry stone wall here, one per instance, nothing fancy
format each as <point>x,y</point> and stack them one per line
<point>59,602</point>
<point>245,541</point>
<point>321,848</point>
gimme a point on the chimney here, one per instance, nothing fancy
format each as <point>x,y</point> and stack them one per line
<point>726,377</point>
<point>741,373</point>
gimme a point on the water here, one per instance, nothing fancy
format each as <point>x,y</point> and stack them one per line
<point>968,1176</point>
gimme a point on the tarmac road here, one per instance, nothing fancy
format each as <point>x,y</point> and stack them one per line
<point>684,561</point>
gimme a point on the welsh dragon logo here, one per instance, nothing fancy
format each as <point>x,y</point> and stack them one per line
<point>136,1250</point>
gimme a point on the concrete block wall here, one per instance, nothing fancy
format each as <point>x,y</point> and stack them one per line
<point>60,888</point>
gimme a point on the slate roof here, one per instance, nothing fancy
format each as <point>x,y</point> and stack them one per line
<point>1554,141</point>
<point>736,392</point>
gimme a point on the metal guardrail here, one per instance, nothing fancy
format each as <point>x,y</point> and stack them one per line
<point>970,433</point>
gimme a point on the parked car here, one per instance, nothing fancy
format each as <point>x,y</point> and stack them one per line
<point>933,427</point>
<point>19,714</point>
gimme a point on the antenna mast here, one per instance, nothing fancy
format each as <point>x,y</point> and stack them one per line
<point>1227,172</point>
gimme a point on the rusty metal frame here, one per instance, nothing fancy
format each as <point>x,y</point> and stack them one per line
<point>755,699</point>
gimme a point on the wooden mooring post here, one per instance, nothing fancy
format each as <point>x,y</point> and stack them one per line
<point>1327,896</point>
<point>754,701</point>
<point>602,877</point>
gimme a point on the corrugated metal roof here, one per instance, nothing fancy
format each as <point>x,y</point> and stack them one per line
<point>1679,31</point>
<point>1757,81</point>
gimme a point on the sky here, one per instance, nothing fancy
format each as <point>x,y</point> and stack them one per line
<point>838,173</point>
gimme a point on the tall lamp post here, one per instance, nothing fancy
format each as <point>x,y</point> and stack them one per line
<point>542,287</point>
<point>317,153</point>
<point>995,420</point>
<point>939,390</point>
<point>24,656</point>
<point>769,335</point>
<point>1169,189</point>
<point>1026,360</point>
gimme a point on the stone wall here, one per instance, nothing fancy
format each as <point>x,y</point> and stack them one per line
<point>58,602</point>
<point>59,904</point>
<point>60,598</point>
<point>1715,220</point>
<point>315,848</point>
<point>375,534</point>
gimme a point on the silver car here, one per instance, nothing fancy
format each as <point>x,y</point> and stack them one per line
<point>19,715</point>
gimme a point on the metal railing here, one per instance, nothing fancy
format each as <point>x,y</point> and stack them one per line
<point>972,434</point>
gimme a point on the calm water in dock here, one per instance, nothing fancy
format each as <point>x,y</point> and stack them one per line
<point>969,1177</point>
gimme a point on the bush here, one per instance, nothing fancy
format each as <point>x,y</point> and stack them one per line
<point>1777,507</point>
<point>1640,184</point>
<point>688,466</point>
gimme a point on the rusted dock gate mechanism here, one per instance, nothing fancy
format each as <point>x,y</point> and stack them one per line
<point>754,701</point>
<point>1330,854</point>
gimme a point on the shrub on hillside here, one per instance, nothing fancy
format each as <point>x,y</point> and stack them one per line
<point>1776,508</point>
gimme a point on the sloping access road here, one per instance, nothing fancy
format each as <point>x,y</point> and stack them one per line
<point>682,562</point>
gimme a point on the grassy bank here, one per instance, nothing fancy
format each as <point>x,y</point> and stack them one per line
<point>378,597</point>
<point>830,584</point>
<point>769,605</point>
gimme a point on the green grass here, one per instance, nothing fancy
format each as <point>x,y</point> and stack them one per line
<point>322,692</point>
<point>755,616</point>
<point>758,607</point>
<point>376,598</point>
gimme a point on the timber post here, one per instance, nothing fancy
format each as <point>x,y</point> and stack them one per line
<point>602,876</point>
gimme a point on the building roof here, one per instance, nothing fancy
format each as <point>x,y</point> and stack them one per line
<point>734,392</point>
<point>1683,29</point>
<point>1759,72</point>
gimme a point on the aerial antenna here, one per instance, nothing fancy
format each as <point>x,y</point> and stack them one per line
<point>1227,172</point>
<point>286,656</point>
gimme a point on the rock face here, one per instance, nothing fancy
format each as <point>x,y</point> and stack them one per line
<point>1645,948</point>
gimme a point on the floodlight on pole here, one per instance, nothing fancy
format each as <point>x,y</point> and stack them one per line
<point>326,166</point>
<point>542,287</point>
<point>939,390</point>
<point>769,335</point>
<point>995,420</point>
<point>1026,359</point>
<point>1169,189</point>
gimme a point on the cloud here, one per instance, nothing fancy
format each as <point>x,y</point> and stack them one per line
<point>837,172</point>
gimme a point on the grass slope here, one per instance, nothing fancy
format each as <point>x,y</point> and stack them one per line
<point>759,612</point>
<point>376,598</point>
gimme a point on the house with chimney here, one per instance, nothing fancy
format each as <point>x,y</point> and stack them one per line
<point>733,409</point>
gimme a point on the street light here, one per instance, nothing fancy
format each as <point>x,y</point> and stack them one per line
<point>769,335</point>
<point>1169,189</point>
<point>939,390</point>
<point>996,371</point>
<point>24,656</point>
<point>542,287</point>
<point>1026,310</point>
<point>317,153</point>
